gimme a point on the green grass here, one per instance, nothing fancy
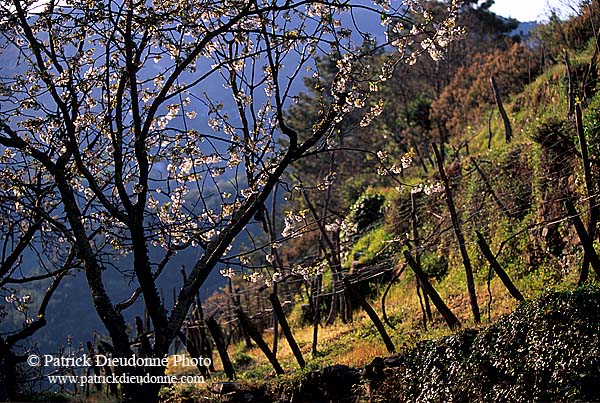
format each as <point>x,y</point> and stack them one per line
<point>369,246</point>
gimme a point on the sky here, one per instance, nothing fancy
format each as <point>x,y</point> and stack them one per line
<point>528,10</point>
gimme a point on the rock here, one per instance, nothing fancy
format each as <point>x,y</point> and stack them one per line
<point>374,370</point>
<point>223,388</point>
<point>394,362</point>
<point>339,380</point>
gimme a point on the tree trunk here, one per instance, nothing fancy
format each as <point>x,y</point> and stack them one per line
<point>8,374</point>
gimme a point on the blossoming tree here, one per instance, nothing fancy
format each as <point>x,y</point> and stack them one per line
<point>156,124</point>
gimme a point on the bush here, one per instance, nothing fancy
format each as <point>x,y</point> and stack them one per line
<point>547,350</point>
<point>242,361</point>
<point>367,210</point>
<point>575,33</point>
<point>434,265</point>
<point>470,93</point>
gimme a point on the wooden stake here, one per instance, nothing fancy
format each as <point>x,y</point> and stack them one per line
<point>282,320</point>
<point>507,127</point>
<point>260,342</point>
<point>586,241</point>
<point>571,90</point>
<point>317,314</point>
<point>485,249</point>
<point>589,185</point>
<point>442,308</point>
<point>356,296</point>
<point>487,184</point>
<point>459,236</point>
<point>415,234</point>
<point>217,335</point>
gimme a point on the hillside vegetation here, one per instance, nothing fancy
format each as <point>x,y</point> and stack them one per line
<point>511,190</point>
<point>358,213</point>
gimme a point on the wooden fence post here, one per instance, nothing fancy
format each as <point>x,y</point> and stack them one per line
<point>316,290</point>
<point>356,296</point>
<point>285,327</point>
<point>442,308</point>
<point>586,241</point>
<point>490,189</point>
<point>217,335</point>
<point>459,236</point>
<point>260,342</point>
<point>485,249</point>
<point>415,234</point>
<point>589,184</point>
<point>507,127</point>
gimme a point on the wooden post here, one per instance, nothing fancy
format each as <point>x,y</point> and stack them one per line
<point>485,249</point>
<point>490,132</point>
<point>589,185</point>
<point>93,368</point>
<point>237,303</point>
<point>459,236</point>
<point>442,308</point>
<point>317,313</point>
<point>571,90</point>
<point>217,335</point>
<point>385,293</point>
<point>286,329</point>
<point>332,254</point>
<point>507,127</point>
<point>255,335</point>
<point>205,347</point>
<point>420,297</point>
<point>189,342</point>
<point>415,234</point>
<point>586,241</point>
<point>275,324</point>
<point>104,349</point>
<point>421,159</point>
<point>356,296</point>
<point>145,348</point>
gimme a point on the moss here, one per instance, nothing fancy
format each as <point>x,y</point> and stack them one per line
<point>547,350</point>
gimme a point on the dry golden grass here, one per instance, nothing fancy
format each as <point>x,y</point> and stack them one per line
<point>357,344</point>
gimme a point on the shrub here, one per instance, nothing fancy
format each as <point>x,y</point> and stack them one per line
<point>575,33</point>
<point>434,265</point>
<point>547,350</point>
<point>367,210</point>
<point>469,93</point>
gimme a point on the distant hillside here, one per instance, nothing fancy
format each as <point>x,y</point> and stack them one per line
<point>524,29</point>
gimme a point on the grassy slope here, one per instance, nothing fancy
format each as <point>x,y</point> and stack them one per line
<point>358,343</point>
